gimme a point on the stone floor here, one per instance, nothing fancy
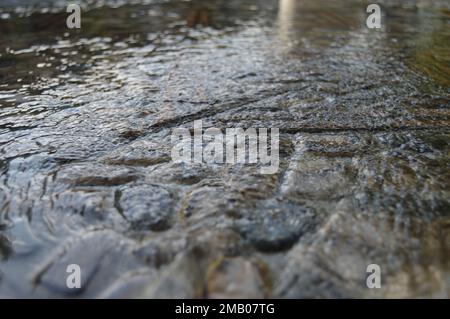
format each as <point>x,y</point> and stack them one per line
<point>86,175</point>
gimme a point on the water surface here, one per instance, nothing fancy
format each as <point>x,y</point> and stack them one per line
<point>86,175</point>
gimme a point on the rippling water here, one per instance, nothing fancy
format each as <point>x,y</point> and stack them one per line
<point>86,176</point>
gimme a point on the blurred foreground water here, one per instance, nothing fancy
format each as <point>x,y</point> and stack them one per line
<point>86,174</point>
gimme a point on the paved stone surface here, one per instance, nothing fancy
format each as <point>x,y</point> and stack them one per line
<point>86,175</point>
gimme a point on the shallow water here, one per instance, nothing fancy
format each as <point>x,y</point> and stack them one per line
<point>86,176</point>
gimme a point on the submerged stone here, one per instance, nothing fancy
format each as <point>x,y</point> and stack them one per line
<point>276,225</point>
<point>147,207</point>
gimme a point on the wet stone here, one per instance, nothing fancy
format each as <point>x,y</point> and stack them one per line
<point>91,205</point>
<point>181,173</point>
<point>95,175</point>
<point>210,202</point>
<point>235,278</point>
<point>276,225</point>
<point>307,277</point>
<point>183,278</point>
<point>162,250</point>
<point>349,240</point>
<point>147,207</point>
<point>95,253</point>
<point>131,285</point>
<point>5,247</point>
<point>139,153</point>
<point>86,174</point>
<point>250,184</point>
<point>322,168</point>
